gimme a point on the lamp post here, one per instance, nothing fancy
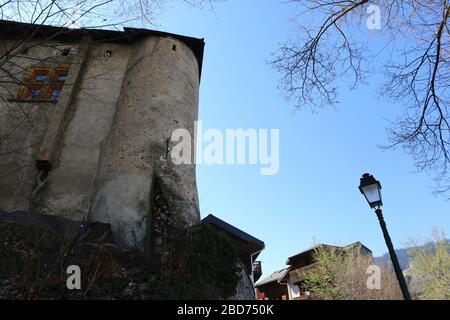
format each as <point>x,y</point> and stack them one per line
<point>371,189</point>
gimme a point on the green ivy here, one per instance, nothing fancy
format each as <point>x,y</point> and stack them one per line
<point>198,264</point>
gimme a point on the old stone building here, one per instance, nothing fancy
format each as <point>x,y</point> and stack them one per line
<point>86,118</point>
<point>248,249</point>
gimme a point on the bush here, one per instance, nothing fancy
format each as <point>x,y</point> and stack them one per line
<point>199,264</point>
<point>430,268</point>
<point>342,275</point>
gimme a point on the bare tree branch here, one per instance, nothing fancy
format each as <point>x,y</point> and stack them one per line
<point>417,75</point>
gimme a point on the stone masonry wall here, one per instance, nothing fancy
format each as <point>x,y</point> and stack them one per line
<point>107,137</point>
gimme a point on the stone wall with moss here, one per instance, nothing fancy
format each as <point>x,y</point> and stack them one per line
<point>199,263</point>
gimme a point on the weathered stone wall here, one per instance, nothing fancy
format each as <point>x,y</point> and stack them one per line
<point>244,289</point>
<point>159,95</point>
<point>107,137</point>
<point>22,124</point>
<point>70,185</point>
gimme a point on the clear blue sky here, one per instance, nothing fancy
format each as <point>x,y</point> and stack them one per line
<point>314,198</point>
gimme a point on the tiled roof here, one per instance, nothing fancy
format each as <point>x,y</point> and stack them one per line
<point>277,276</point>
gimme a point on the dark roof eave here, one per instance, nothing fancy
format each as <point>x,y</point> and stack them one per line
<point>27,31</point>
<point>288,262</point>
<point>211,219</point>
<point>276,277</point>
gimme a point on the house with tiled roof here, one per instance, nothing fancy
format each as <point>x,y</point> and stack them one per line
<point>288,283</point>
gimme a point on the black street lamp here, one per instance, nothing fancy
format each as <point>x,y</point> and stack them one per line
<point>371,189</point>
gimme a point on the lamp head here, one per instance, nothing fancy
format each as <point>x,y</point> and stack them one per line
<point>371,189</point>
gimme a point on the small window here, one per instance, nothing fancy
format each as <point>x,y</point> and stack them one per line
<point>34,94</point>
<point>38,75</point>
<point>60,74</point>
<point>43,84</point>
<point>55,95</point>
<point>40,78</point>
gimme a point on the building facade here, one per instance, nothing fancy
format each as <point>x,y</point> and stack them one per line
<point>248,249</point>
<point>86,118</point>
<point>273,287</point>
<point>289,284</point>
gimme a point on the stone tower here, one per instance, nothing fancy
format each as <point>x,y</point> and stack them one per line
<point>100,107</point>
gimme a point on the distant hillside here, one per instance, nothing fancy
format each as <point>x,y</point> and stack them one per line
<point>403,258</point>
<point>403,255</point>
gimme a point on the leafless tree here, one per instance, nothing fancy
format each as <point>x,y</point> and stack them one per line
<point>332,45</point>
